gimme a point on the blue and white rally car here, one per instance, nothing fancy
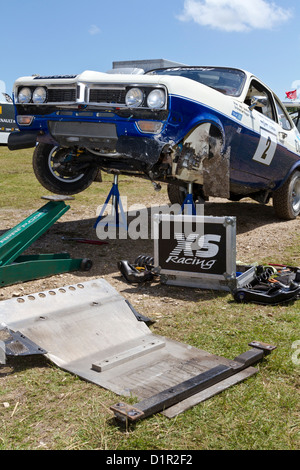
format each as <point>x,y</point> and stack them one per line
<point>220,129</point>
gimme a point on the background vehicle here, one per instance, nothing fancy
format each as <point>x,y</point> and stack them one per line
<point>7,115</point>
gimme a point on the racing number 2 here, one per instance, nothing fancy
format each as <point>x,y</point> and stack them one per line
<point>266,148</point>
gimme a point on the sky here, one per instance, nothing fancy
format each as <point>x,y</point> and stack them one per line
<point>62,37</point>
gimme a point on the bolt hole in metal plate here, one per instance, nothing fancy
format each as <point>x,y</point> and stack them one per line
<point>92,331</point>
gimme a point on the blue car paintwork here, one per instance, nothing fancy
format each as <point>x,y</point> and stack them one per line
<point>214,137</point>
<point>185,116</point>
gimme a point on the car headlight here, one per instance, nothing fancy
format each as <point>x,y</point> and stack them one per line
<point>134,98</point>
<point>156,99</point>
<point>24,95</point>
<point>39,95</point>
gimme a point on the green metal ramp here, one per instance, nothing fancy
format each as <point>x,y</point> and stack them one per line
<point>15,267</point>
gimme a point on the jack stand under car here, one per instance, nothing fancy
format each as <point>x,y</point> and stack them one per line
<point>15,267</point>
<point>116,203</point>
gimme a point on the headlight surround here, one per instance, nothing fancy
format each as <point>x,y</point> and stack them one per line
<point>24,95</point>
<point>39,95</point>
<point>156,99</point>
<point>134,98</point>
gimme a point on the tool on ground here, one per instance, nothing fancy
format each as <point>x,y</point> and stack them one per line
<point>140,271</point>
<point>15,267</point>
<point>273,284</point>
<point>84,240</point>
<point>270,284</point>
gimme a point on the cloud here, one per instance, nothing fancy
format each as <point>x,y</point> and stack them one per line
<point>94,30</point>
<point>234,15</point>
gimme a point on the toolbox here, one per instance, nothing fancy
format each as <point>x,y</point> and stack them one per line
<point>198,251</point>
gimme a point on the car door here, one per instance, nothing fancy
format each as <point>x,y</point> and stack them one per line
<point>288,145</point>
<point>263,123</point>
<point>278,146</point>
<point>254,144</point>
<point>289,135</point>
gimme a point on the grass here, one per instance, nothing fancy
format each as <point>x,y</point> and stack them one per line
<point>17,174</point>
<point>44,407</point>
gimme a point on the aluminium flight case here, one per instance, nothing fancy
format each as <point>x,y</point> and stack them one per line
<point>198,251</point>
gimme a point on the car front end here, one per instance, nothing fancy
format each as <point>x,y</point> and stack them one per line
<point>84,111</point>
<point>130,124</point>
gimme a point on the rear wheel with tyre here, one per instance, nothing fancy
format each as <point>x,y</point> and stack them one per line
<point>61,170</point>
<point>286,200</point>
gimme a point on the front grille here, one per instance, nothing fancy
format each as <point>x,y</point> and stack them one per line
<point>107,96</point>
<point>61,95</point>
<point>95,130</point>
<point>84,134</point>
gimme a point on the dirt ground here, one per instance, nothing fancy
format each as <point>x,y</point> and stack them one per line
<point>260,236</point>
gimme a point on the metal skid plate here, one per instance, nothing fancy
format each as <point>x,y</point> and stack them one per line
<point>90,330</point>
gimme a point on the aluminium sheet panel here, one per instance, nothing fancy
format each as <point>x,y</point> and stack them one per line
<point>83,325</point>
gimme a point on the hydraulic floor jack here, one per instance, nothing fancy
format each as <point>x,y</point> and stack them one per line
<point>15,267</point>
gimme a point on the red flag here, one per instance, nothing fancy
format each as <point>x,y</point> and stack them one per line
<point>291,95</point>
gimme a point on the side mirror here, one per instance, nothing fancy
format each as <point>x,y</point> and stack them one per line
<point>258,102</point>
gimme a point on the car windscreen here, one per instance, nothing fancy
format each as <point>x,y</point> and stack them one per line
<point>226,80</point>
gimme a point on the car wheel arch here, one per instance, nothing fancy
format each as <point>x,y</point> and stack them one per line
<point>295,167</point>
<point>286,199</point>
<point>203,159</point>
<point>213,128</point>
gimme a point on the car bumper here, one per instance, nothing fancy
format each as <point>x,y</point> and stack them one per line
<point>22,140</point>
<point>144,149</point>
